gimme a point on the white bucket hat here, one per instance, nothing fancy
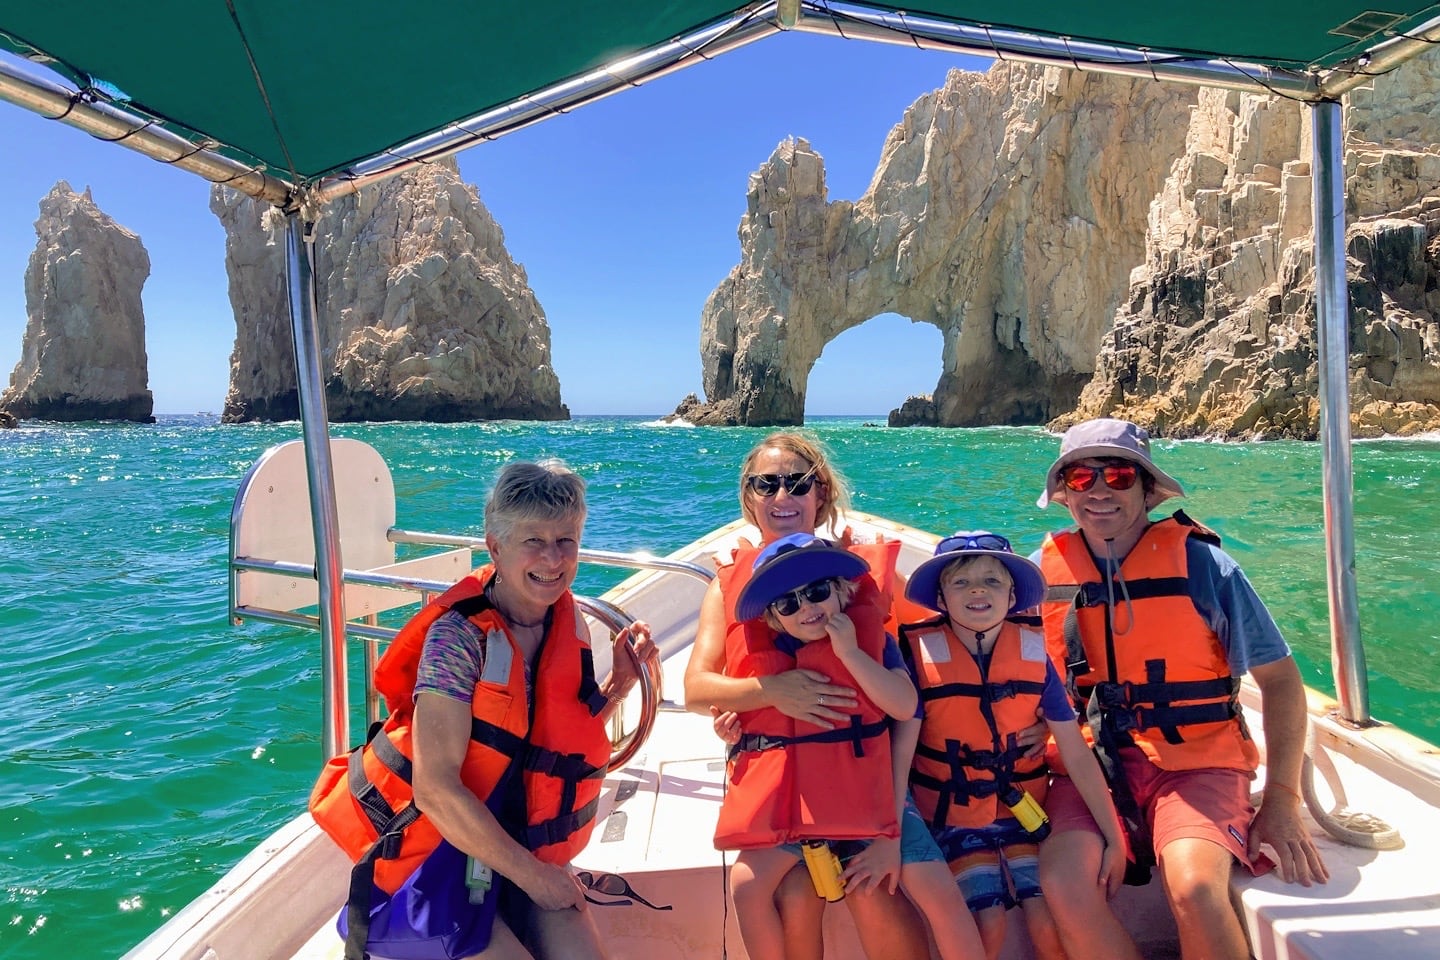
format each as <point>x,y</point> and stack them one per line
<point>1108,438</point>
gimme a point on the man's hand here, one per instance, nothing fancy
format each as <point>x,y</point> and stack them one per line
<point>1280,825</point>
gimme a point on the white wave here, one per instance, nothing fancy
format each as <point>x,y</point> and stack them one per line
<point>662,422</point>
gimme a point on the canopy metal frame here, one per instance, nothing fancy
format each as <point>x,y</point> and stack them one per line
<point>49,96</point>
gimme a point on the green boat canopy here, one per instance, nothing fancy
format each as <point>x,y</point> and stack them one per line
<point>308,90</point>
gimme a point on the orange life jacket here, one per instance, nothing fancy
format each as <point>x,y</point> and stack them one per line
<point>364,800</point>
<point>1165,684</point>
<point>967,757</point>
<point>789,780</point>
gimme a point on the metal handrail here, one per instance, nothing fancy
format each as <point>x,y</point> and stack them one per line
<point>610,558</point>
<point>608,614</point>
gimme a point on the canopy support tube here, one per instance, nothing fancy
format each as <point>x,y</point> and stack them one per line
<point>1332,315</point>
<point>320,471</point>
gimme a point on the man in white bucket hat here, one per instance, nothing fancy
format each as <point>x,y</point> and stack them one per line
<point>1154,625</point>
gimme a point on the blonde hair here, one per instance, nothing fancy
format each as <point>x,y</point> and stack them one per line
<point>844,589</point>
<point>834,494</point>
<point>524,491</point>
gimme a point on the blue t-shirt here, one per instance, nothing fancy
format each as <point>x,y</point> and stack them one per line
<point>1230,606</point>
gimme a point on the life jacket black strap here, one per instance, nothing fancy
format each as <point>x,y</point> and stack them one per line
<point>377,809</point>
<point>1143,706</point>
<point>558,828</point>
<point>1108,743</point>
<point>855,734</point>
<point>362,881</point>
<point>589,692</point>
<point>961,760</point>
<point>992,691</point>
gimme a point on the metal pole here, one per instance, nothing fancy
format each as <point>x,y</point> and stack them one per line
<point>1332,316</point>
<point>324,515</point>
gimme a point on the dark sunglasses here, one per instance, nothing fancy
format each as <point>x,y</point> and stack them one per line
<point>984,541</point>
<point>788,603</point>
<point>1117,476</point>
<point>613,885</point>
<point>769,484</point>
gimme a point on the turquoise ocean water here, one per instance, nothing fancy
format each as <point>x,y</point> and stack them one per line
<point>150,744</point>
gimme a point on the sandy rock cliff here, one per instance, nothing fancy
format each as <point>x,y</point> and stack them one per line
<point>424,315</point>
<point>1217,335</point>
<point>1007,210</point>
<point>83,355</point>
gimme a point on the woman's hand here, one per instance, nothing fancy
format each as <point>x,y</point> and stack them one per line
<point>727,725</point>
<point>626,660</point>
<point>877,864</point>
<point>809,696</point>
<point>552,887</point>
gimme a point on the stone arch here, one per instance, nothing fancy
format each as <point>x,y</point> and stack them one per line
<point>872,367</point>
<point>1008,210</point>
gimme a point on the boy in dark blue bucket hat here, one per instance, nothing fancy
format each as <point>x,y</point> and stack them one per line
<point>982,679</point>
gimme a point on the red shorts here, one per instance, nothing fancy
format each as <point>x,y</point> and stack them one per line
<point>1211,803</point>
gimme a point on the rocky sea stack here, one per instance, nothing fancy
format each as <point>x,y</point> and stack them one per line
<point>424,315</point>
<point>83,355</point>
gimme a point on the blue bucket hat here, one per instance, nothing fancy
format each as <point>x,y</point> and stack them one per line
<point>924,585</point>
<point>790,563</point>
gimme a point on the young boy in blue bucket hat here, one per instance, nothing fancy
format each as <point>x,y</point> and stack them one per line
<point>797,790</point>
<point>982,678</point>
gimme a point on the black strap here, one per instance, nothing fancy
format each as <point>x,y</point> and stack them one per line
<point>558,827</point>
<point>983,691</point>
<point>589,692</point>
<point>855,734</point>
<point>1143,706</point>
<point>960,760</point>
<point>1108,741</point>
<point>362,880</point>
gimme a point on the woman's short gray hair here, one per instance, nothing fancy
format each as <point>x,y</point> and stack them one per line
<point>546,491</point>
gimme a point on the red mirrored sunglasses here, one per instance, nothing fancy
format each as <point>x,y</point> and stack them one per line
<point>1117,476</point>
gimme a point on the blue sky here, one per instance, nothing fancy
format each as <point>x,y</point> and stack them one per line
<point>623,213</point>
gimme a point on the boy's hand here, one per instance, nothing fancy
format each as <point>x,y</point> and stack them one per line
<point>727,725</point>
<point>842,633</point>
<point>1112,868</point>
<point>877,864</point>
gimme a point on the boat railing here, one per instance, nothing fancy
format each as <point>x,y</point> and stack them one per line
<point>273,575</point>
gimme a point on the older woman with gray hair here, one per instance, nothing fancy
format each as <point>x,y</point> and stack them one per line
<point>509,744</point>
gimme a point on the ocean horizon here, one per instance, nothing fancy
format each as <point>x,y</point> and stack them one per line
<point>158,744</point>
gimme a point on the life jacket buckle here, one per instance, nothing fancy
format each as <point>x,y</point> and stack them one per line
<point>389,844</point>
<point>1113,696</point>
<point>1091,595</point>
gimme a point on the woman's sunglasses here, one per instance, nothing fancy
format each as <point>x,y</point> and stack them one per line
<point>787,604</point>
<point>613,885</point>
<point>1117,476</point>
<point>769,484</point>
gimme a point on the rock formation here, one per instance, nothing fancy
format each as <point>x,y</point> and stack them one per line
<point>1007,210</point>
<point>83,355</point>
<point>423,314</point>
<point>1217,335</point>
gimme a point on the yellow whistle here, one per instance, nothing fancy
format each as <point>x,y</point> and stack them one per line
<point>824,869</point>
<point>1030,814</point>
